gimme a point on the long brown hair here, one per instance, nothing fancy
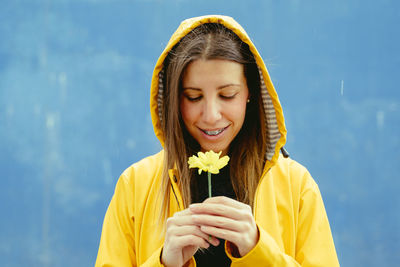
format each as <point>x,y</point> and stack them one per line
<point>247,150</point>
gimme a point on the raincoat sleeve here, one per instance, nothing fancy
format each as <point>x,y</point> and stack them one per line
<point>117,244</point>
<point>314,243</point>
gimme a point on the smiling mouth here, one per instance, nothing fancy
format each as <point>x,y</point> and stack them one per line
<point>214,133</point>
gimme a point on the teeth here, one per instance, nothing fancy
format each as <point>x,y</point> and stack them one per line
<point>213,132</point>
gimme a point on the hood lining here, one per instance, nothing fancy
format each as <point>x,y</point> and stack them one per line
<point>271,124</point>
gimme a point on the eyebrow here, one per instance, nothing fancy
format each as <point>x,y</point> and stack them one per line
<point>218,88</point>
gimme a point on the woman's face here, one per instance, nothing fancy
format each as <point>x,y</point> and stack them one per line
<point>213,102</point>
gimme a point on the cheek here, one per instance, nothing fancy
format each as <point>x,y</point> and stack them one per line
<point>235,113</point>
<point>243,111</point>
<point>240,110</point>
<point>186,112</point>
<point>240,115</point>
<point>241,106</point>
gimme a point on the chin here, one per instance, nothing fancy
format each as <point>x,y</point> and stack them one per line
<point>215,149</point>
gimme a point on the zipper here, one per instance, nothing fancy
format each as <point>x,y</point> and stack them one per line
<point>175,188</point>
<point>176,197</point>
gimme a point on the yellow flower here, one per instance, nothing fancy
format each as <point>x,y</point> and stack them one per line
<point>208,162</point>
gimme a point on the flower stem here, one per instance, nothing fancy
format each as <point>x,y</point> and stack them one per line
<point>209,184</point>
<point>209,195</point>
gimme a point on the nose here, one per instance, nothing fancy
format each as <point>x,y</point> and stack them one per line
<point>211,112</point>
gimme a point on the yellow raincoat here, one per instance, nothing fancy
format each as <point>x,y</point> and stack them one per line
<point>289,211</point>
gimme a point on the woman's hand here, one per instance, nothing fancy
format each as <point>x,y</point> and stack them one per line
<point>227,219</point>
<point>183,238</point>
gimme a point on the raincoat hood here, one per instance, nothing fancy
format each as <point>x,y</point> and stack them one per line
<point>272,109</point>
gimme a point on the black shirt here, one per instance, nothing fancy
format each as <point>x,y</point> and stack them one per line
<point>221,186</point>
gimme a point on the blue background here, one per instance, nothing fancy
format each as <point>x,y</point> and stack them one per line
<point>74,113</point>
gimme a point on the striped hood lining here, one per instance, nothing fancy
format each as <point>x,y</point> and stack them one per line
<point>274,120</point>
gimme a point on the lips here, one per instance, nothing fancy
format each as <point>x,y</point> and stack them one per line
<point>213,132</point>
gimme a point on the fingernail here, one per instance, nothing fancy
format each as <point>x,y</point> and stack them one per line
<point>215,242</point>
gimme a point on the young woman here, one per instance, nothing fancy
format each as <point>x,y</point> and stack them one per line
<point>211,91</point>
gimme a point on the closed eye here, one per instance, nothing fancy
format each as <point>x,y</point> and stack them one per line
<point>193,98</point>
<point>231,96</point>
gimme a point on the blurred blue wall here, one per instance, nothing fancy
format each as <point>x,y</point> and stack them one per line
<point>74,101</point>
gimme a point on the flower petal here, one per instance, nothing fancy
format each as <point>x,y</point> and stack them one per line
<point>208,162</point>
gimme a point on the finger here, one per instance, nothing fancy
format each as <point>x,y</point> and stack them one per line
<point>176,232</point>
<point>240,227</point>
<point>227,201</point>
<point>181,226</point>
<point>190,230</point>
<point>223,223</point>
<point>222,210</point>
<point>181,213</point>
<point>181,218</point>
<point>189,240</point>
<point>243,241</point>
<point>226,234</point>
